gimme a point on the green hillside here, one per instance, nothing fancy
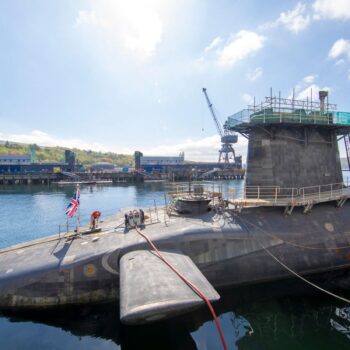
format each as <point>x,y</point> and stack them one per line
<point>56,154</point>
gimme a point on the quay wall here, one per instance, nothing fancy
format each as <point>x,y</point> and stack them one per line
<point>118,177</point>
<point>27,179</point>
<point>114,176</point>
<point>47,178</point>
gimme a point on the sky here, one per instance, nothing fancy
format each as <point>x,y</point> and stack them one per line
<point>121,76</point>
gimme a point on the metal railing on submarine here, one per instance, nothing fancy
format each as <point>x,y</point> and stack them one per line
<point>252,196</point>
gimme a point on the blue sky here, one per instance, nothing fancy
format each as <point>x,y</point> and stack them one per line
<point>127,75</point>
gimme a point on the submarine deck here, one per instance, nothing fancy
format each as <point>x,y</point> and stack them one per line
<point>228,249</point>
<point>61,252</point>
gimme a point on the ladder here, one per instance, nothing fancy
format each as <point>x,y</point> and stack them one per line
<point>347,147</point>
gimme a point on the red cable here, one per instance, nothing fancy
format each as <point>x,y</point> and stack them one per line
<point>206,300</point>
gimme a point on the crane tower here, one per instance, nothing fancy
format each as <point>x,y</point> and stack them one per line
<point>226,153</point>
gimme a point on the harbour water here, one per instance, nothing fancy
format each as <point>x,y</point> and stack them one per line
<point>283,315</point>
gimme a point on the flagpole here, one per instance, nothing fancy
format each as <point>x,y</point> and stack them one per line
<point>77,216</point>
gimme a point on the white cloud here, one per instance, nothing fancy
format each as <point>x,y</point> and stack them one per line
<point>240,46</point>
<point>303,14</point>
<point>307,85</point>
<point>214,44</point>
<point>331,9</point>
<point>43,139</point>
<point>146,31</point>
<point>89,18</point>
<point>339,48</point>
<point>135,25</point>
<point>206,149</point>
<point>248,99</point>
<point>295,20</point>
<point>309,79</point>
<point>306,92</point>
<point>340,62</point>
<point>255,74</point>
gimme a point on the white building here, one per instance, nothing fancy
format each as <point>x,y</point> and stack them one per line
<point>154,160</point>
<point>15,159</point>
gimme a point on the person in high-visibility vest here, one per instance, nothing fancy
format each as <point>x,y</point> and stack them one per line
<point>95,217</point>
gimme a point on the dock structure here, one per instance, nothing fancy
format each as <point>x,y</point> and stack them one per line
<point>48,178</point>
<point>116,177</point>
<point>202,171</point>
<point>27,179</point>
<point>293,157</point>
<point>183,174</point>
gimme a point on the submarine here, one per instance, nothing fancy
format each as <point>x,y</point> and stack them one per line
<point>291,220</point>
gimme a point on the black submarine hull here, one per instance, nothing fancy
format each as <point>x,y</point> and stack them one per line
<point>233,252</point>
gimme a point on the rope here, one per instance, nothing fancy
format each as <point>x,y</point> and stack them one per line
<point>299,276</point>
<point>190,284</point>
<point>304,279</point>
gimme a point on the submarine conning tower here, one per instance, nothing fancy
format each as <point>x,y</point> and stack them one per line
<point>293,144</point>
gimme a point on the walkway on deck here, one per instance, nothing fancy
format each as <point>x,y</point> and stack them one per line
<point>257,196</point>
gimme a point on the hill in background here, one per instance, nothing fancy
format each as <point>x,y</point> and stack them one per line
<point>56,154</point>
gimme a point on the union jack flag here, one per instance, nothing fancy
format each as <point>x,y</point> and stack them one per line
<point>73,204</point>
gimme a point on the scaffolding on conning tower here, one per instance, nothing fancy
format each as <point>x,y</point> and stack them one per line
<point>293,157</point>
<point>276,110</point>
<point>279,110</point>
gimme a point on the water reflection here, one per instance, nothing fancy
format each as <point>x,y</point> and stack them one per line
<point>30,212</point>
<point>234,327</point>
<point>283,315</point>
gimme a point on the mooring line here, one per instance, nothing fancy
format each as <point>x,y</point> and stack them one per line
<point>292,243</point>
<point>299,276</point>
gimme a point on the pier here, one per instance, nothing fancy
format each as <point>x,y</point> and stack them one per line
<point>27,179</point>
<point>183,174</point>
<point>47,178</point>
<point>116,177</point>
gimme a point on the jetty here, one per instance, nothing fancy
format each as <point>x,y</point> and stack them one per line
<point>63,178</point>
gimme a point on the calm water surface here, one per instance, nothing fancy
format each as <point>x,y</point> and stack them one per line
<point>283,315</point>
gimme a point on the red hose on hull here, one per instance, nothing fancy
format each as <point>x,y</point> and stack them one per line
<point>190,284</point>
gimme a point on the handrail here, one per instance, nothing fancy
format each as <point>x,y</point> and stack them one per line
<point>322,191</point>
<point>270,192</point>
<point>288,115</point>
<point>207,188</point>
<point>277,194</point>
